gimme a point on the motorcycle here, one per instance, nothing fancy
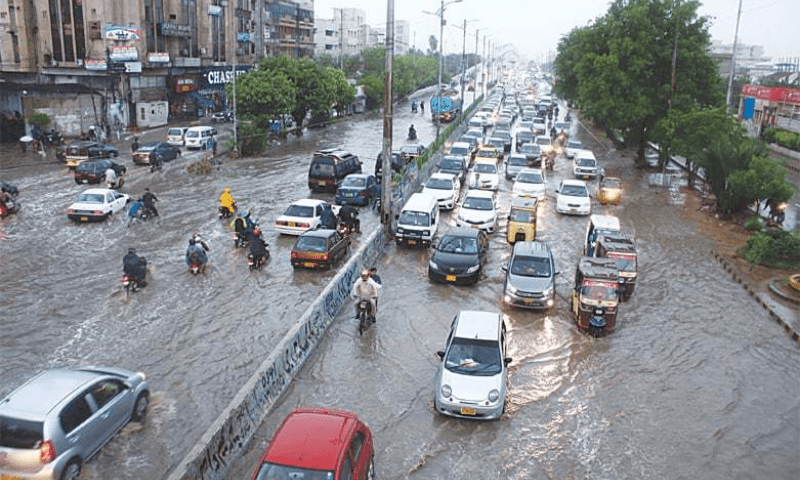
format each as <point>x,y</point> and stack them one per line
<point>256,263</point>
<point>155,164</point>
<point>548,162</point>
<point>777,214</point>
<point>9,207</point>
<point>130,284</point>
<point>412,135</point>
<point>225,212</point>
<point>364,318</point>
<point>346,229</point>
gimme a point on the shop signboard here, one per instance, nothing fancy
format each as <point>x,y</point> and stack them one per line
<point>217,77</point>
<point>185,84</point>
<point>121,32</point>
<point>91,64</point>
<point>243,37</point>
<point>123,53</point>
<point>158,57</point>
<point>172,29</point>
<point>133,67</point>
<point>772,94</point>
<point>214,10</point>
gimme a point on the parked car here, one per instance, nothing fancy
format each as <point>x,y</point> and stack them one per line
<point>356,189</point>
<point>319,249</point>
<point>445,187</point>
<point>573,197</point>
<point>176,136</point>
<point>319,443</point>
<point>458,257</point>
<point>301,216</point>
<point>82,150</point>
<point>97,204</point>
<point>472,378</point>
<point>455,164</point>
<point>530,276</point>
<point>94,171</point>
<point>55,422</point>
<point>163,151</point>
<point>478,210</point>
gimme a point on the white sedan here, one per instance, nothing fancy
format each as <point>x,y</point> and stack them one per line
<point>573,198</point>
<point>445,187</point>
<point>97,204</point>
<point>301,216</point>
<point>478,210</point>
<point>530,182</point>
<point>484,175</point>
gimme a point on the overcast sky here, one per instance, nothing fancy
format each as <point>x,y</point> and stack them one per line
<point>534,27</point>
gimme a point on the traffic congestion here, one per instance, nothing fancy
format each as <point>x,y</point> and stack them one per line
<point>514,277</point>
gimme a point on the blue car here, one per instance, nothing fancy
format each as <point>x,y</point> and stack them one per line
<point>356,189</point>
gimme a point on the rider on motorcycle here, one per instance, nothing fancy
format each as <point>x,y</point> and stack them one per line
<point>227,201</point>
<point>349,217</point>
<point>135,267</point>
<point>366,288</point>
<point>328,218</point>
<point>258,247</point>
<point>149,199</point>
<point>412,132</point>
<point>196,254</point>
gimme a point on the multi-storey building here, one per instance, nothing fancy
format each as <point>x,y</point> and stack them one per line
<point>136,62</point>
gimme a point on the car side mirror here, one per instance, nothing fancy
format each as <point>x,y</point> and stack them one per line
<point>440,353</point>
<point>507,360</point>
<point>504,268</point>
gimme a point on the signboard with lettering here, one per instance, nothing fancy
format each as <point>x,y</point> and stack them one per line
<point>171,29</point>
<point>122,53</point>
<point>185,84</point>
<point>133,67</point>
<point>118,32</point>
<point>95,64</point>
<point>216,77</point>
<point>214,10</point>
<point>772,94</point>
<point>242,37</point>
<point>158,57</point>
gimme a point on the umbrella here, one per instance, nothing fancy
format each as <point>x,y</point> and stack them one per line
<point>26,139</point>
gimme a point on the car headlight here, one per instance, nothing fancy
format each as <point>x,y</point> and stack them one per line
<point>400,230</point>
<point>473,268</point>
<point>432,265</point>
<point>494,396</point>
<point>548,292</point>
<point>446,391</point>
<point>426,233</point>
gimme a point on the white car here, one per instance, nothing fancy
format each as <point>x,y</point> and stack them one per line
<point>530,182</point>
<point>445,187</point>
<point>484,175</point>
<point>472,380</point>
<point>573,147</point>
<point>301,216</point>
<point>573,197</point>
<point>97,204</point>
<point>478,210</point>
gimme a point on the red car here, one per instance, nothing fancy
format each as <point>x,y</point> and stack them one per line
<point>319,444</point>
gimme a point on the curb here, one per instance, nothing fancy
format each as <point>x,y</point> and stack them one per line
<point>777,291</point>
<point>793,333</point>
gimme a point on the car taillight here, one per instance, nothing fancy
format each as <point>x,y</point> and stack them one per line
<point>281,223</point>
<point>304,225</point>
<point>294,254</point>
<point>362,192</point>
<point>70,211</point>
<point>324,256</point>
<point>47,453</point>
<point>97,212</point>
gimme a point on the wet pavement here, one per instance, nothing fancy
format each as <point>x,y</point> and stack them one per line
<point>696,382</point>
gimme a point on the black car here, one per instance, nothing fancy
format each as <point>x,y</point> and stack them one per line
<point>454,164</point>
<point>524,136</point>
<point>82,150</point>
<point>458,257</point>
<point>94,171</point>
<point>399,160</point>
<point>163,151</point>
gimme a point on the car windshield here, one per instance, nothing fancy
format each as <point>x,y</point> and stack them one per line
<point>531,266</point>
<point>473,357</point>
<point>192,134</point>
<point>586,162</point>
<point>478,203</point>
<point>417,219</point>
<point>321,170</point>
<point>610,183</point>
<point>521,215</point>
<point>90,198</point>
<point>410,150</point>
<point>451,164</point>
<point>453,244</point>
<point>146,148</point>
<point>358,182</point>
<point>574,144</point>
<point>439,184</point>
<point>485,168</point>
<point>528,177</point>
<point>463,151</point>
<point>311,244</point>
<point>543,141</point>
<point>599,291</point>
<point>269,471</point>
<point>530,148</point>
<point>299,211</point>
<point>175,132</point>
<point>574,191</point>
<point>517,161</point>
<point>19,433</point>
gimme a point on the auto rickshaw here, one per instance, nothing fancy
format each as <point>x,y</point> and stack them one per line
<point>622,248</point>
<point>598,225</point>
<point>610,191</point>
<point>596,295</point>
<point>522,219</point>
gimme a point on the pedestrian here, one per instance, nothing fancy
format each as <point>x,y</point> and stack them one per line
<point>422,108</point>
<point>135,144</point>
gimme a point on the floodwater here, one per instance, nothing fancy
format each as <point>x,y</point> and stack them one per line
<point>696,381</point>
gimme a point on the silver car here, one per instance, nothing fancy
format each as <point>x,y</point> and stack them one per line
<point>54,423</point>
<point>530,276</point>
<point>472,379</point>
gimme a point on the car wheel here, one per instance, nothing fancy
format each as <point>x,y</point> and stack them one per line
<point>371,469</point>
<point>72,471</point>
<point>140,407</point>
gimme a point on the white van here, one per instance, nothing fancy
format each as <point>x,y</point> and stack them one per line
<point>585,165</point>
<point>417,222</point>
<point>200,137</point>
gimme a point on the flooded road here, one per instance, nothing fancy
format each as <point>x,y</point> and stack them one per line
<point>696,382</point>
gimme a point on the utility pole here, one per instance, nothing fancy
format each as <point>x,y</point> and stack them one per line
<point>733,59</point>
<point>341,39</point>
<point>463,64</point>
<point>675,11</point>
<point>386,153</point>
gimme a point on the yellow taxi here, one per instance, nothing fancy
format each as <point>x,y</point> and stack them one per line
<point>489,152</point>
<point>522,219</point>
<point>610,191</point>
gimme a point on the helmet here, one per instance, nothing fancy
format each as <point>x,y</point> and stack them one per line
<point>191,241</point>
<point>245,213</point>
<point>132,250</point>
<point>257,231</point>
<point>226,189</point>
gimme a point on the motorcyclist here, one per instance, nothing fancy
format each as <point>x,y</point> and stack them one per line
<point>414,107</point>
<point>553,132</point>
<point>258,247</point>
<point>200,241</point>
<point>366,288</point>
<point>242,227</point>
<point>328,218</point>
<point>149,199</point>
<point>349,217</point>
<point>776,211</point>
<point>226,201</point>
<point>135,267</point>
<point>412,132</point>
<point>196,253</point>
<point>111,178</point>
<point>133,210</point>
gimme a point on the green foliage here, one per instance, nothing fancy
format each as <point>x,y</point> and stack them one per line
<point>39,119</point>
<point>260,92</point>
<point>774,247</point>
<point>757,248</point>
<point>373,89</point>
<point>618,69</point>
<point>754,224</point>
<point>784,138</point>
<point>343,93</point>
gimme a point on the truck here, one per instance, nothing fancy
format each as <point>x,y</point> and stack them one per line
<point>450,106</point>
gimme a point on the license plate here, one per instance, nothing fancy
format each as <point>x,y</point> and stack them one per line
<point>450,278</point>
<point>321,184</point>
<point>527,300</point>
<point>84,181</point>
<point>83,219</point>
<point>412,242</point>
<point>9,477</point>
<point>467,411</point>
<point>309,264</point>
<point>349,194</point>
<point>291,224</point>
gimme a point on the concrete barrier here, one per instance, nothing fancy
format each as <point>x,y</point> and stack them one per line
<point>228,437</point>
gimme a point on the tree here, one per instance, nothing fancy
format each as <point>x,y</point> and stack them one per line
<point>618,70</point>
<point>373,89</point>
<point>343,93</point>
<point>764,178</point>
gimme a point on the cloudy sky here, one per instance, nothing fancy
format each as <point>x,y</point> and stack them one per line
<point>535,26</point>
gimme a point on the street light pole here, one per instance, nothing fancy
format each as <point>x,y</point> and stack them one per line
<point>441,56</point>
<point>733,59</point>
<point>386,152</point>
